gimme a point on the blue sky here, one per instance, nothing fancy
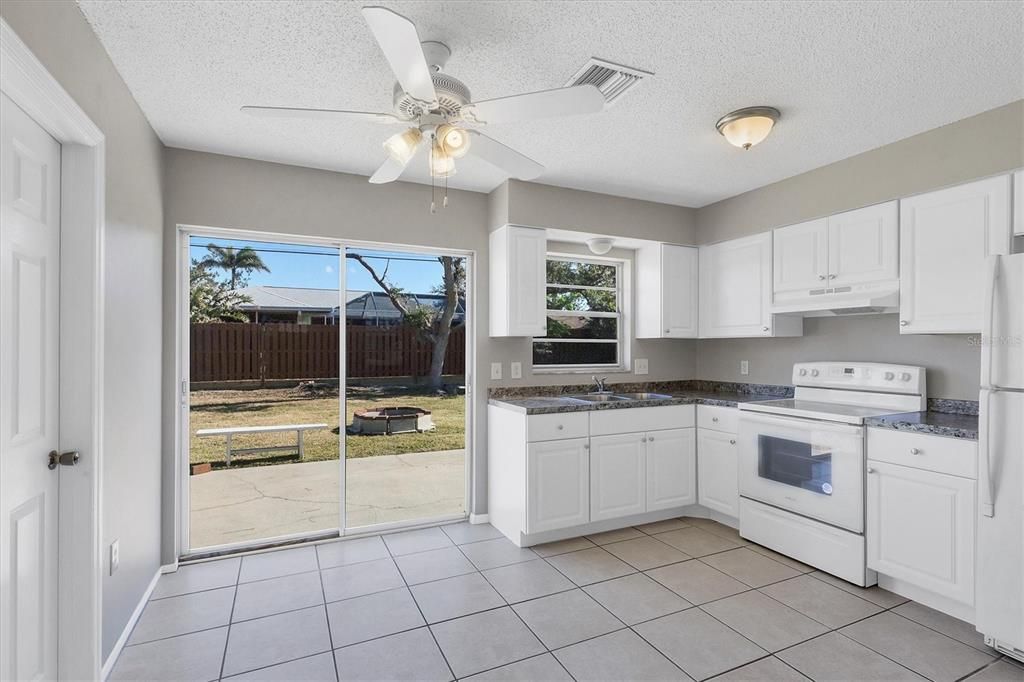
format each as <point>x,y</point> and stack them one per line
<point>302,265</point>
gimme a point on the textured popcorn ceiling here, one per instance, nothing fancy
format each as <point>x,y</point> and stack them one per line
<point>848,77</point>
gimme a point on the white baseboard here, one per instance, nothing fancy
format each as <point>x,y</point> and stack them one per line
<point>108,664</point>
<point>479,518</point>
<point>169,568</point>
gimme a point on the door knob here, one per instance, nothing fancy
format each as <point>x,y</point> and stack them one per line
<point>68,459</point>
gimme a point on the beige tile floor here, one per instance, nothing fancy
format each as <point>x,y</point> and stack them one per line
<point>678,600</point>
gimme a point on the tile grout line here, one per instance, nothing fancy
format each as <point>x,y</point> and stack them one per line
<point>423,616</point>
<point>227,636</point>
<point>327,615</point>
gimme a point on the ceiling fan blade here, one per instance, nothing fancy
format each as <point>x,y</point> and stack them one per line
<point>517,165</point>
<point>576,99</point>
<point>323,114</point>
<point>400,43</point>
<point>389,171</point>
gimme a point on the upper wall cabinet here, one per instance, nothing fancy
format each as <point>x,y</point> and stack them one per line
<point>854,252</point>
<point>517,259</point>
<point>1018,203</point>
<point>666,292</point>
<point>945,237</point>
<point>736,290</point>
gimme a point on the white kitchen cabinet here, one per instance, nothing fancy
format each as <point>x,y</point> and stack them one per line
<point>618,476</point>
<point>558,484</point>
<point>736,290</point>
<point>666,294</point>
<point>945,237</point>
<point>717,473</point>
<point>920,529</point>
<point>518,267</point>
<point>800,256</point>
<point>1018,203</point>
<point>859,247</point>
<point>671,468</point>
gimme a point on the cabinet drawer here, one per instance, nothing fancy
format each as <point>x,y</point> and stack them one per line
<point>556,426</point>
<point>921,451</point>
<point>637,419</point>
<point>718,418</point>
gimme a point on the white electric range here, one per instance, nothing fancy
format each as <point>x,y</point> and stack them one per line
<point>802,461</point>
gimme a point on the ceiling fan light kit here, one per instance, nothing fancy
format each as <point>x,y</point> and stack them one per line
<point>747,127</point>
<point>440,106</point>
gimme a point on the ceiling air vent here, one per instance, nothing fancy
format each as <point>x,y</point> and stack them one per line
<point>613,80</point>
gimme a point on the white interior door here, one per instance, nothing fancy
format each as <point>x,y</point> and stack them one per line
<point>29,259</point>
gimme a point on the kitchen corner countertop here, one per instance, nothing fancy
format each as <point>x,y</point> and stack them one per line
<point>963,426</point>
<point>559,404</point>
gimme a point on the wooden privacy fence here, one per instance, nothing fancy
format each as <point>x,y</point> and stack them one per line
<point>239,351</point>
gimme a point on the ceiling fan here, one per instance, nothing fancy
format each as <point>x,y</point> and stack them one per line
<point>443,119</point>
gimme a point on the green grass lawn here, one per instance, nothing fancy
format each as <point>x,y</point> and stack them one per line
<point>265,407</point>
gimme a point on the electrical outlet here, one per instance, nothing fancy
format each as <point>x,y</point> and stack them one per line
<point>515,370</point>
<point>115,555</point>
<point>495,370</point>
<point>744,367</point>
<point>640,366</point>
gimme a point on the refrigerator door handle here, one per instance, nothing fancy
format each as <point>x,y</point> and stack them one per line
<point>987,502</point>
<point>988,328</point>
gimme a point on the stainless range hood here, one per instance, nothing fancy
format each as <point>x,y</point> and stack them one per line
<point>850,300</point>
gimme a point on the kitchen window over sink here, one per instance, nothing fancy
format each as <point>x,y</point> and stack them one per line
<point>584,301</point>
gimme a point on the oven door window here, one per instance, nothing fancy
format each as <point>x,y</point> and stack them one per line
<point>795,463</point>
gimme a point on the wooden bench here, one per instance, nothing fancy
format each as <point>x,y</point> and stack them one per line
<point>228,432</point>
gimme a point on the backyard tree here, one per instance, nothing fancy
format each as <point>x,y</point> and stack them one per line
<point>432,323</point>
<point>238,263</point>
<point>211,299</point>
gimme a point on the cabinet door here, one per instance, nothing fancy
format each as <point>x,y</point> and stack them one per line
<point>679,291</point>
<point>920,528</point>
<point>518,260</point>
<point>1018,202</point>
<point>558,484</point>
<point>945,237</point>
<point>671,468</point>
<point>618,481</point>
<point>735,291</point>
<point>717,475</point>
<point>800,256</point>
<point>863,245</point>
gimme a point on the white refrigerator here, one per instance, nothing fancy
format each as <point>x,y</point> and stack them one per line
<point>999,588</point>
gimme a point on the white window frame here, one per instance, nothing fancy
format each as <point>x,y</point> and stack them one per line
<point>623,299</point>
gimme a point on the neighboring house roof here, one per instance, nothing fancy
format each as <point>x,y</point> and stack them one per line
<point>358,304</point>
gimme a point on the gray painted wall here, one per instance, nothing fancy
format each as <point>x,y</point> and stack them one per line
<point>986,144</point>
<point>220,191</point>
<point>60,37</point>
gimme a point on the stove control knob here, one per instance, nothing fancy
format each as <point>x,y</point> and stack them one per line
<point>803,372</point>
<point>814,372</point>
<point>905,376</point>
<point>889,376</point>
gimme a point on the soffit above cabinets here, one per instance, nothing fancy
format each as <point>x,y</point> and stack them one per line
<point>847,76</point>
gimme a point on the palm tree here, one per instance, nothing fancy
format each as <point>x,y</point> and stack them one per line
<point>239,263</point>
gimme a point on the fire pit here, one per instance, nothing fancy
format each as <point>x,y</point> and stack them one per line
<point>390,420</point>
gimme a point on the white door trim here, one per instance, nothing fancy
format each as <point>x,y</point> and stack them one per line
<point>26,81</point>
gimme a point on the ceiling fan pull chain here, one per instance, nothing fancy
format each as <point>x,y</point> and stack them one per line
<point>444,204</point>
<point>433,205</point>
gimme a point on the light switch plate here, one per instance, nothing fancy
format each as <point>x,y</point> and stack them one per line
<point>744,367</point>
<point>115,556</point>
<point>495,370</point>
<point>515,370</point>
<point>640,366</point>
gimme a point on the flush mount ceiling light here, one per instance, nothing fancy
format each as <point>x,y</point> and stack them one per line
<point>746,127</point>
<point>600,245</point>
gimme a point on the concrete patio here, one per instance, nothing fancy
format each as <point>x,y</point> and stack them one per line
<point>242,504</point>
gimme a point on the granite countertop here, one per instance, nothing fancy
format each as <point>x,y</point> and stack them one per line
<point>947,424</point>
<point>559,404</point>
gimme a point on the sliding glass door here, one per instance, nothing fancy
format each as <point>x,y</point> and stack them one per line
<point>297,352</point>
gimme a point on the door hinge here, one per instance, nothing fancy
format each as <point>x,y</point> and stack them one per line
<point>68,459</point>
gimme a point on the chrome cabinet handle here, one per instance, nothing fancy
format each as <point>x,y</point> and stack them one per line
<point>714,419</point>
<point>821,276</point>
<point>650,439</point>
<point>870,470</point>
<point>831,276</point>
<point>764,329</point>
<point>586,446</point>
<point>732,441</point>
<point>559,427</point>
<point>903,323</point>
<point>915,451</point>
<point>643,440</point>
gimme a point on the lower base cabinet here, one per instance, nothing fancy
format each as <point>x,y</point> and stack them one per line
<point>717,472</point>
<point>558,486</point>
<point>920,528</point>
<point>618,476</point>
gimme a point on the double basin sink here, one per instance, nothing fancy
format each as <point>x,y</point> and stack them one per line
<point>608,397</point>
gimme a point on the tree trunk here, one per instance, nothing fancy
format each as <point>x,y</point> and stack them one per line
<point>437,354</point>
<point>443,324</point>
